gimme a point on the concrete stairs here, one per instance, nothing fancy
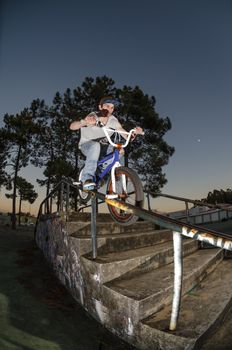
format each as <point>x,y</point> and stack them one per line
<point>202,310</point>
<point>129,286</point>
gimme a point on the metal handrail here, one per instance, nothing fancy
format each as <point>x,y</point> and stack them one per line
<point>89,206</point>
<point>179,229</point>
<point>218,239</point>
<point>200,203</point>
<point>54,190</point>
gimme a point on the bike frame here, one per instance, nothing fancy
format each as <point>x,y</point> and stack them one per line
<point>115,156</point>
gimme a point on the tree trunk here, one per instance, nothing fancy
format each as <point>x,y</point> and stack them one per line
<point>20,207</point>
<point>13,216</point>
<point>47,206</point>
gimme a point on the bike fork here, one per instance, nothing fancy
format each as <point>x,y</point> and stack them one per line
<point>113,178</point>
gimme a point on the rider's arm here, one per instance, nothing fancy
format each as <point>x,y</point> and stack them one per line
<point>137,131</point>
<point>76,125</point>
<point>89,120</point>
<point>123,135</point>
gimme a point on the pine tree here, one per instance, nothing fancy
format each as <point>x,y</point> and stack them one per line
<point>17,133</point>
<point>25,192</point>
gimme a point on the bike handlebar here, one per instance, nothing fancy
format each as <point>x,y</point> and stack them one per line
<point>106,131</point>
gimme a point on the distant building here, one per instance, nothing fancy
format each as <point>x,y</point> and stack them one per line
<point>202,214</point>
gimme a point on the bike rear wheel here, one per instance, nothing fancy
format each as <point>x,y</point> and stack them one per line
<point>129,188</point>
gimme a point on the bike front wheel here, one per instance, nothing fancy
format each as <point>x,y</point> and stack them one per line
<point>129,190</point>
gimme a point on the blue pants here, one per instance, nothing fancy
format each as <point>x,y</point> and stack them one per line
<point>91,150</point>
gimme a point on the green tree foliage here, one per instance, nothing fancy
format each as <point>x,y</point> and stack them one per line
<point>41,135</point>
<point>56,148</point>
<point>43,141</point>
<point>25,192</point>
<point>4,178</point>
<point>218,197</point>
<point>147,154</point>
<point>17,134</point>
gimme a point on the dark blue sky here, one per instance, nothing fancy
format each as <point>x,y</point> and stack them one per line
<point>180,51</point>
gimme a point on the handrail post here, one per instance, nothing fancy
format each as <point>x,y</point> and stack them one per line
<point>148,201</point>
<point>94,224</point>
<point>178,277</point>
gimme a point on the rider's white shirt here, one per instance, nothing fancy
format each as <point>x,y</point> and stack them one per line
<point>93,132</point>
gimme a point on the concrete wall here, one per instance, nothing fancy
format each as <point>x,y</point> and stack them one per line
<point>53,239</point>
<point>64,252</point>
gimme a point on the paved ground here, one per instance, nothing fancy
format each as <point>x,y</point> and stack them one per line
<point>222,338</point>
<point>36,312</point>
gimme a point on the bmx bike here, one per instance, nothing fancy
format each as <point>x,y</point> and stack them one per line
<point>123,183</point>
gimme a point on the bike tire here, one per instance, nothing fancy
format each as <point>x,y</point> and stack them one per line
<point>134,195</point>
<point>83,195</point>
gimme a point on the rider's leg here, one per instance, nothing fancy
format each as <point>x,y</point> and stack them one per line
<point>91,150</point>
<point>108,150</point>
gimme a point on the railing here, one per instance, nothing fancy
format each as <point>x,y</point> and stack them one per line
<point>186,201</point>
<point>179,229</point>
<point>63,187</point>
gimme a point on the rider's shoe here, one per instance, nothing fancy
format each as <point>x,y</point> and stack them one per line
<point>89,185</point>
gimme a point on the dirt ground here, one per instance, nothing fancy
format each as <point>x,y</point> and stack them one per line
<point>36,312</point>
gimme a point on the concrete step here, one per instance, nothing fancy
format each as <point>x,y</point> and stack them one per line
<point>111,265</point>
<point>86,217</point>
<point>202,310</point>
<point>140,295</point>
<point>84,229</point>
<point>133,240</point>
<point>120,241</point>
